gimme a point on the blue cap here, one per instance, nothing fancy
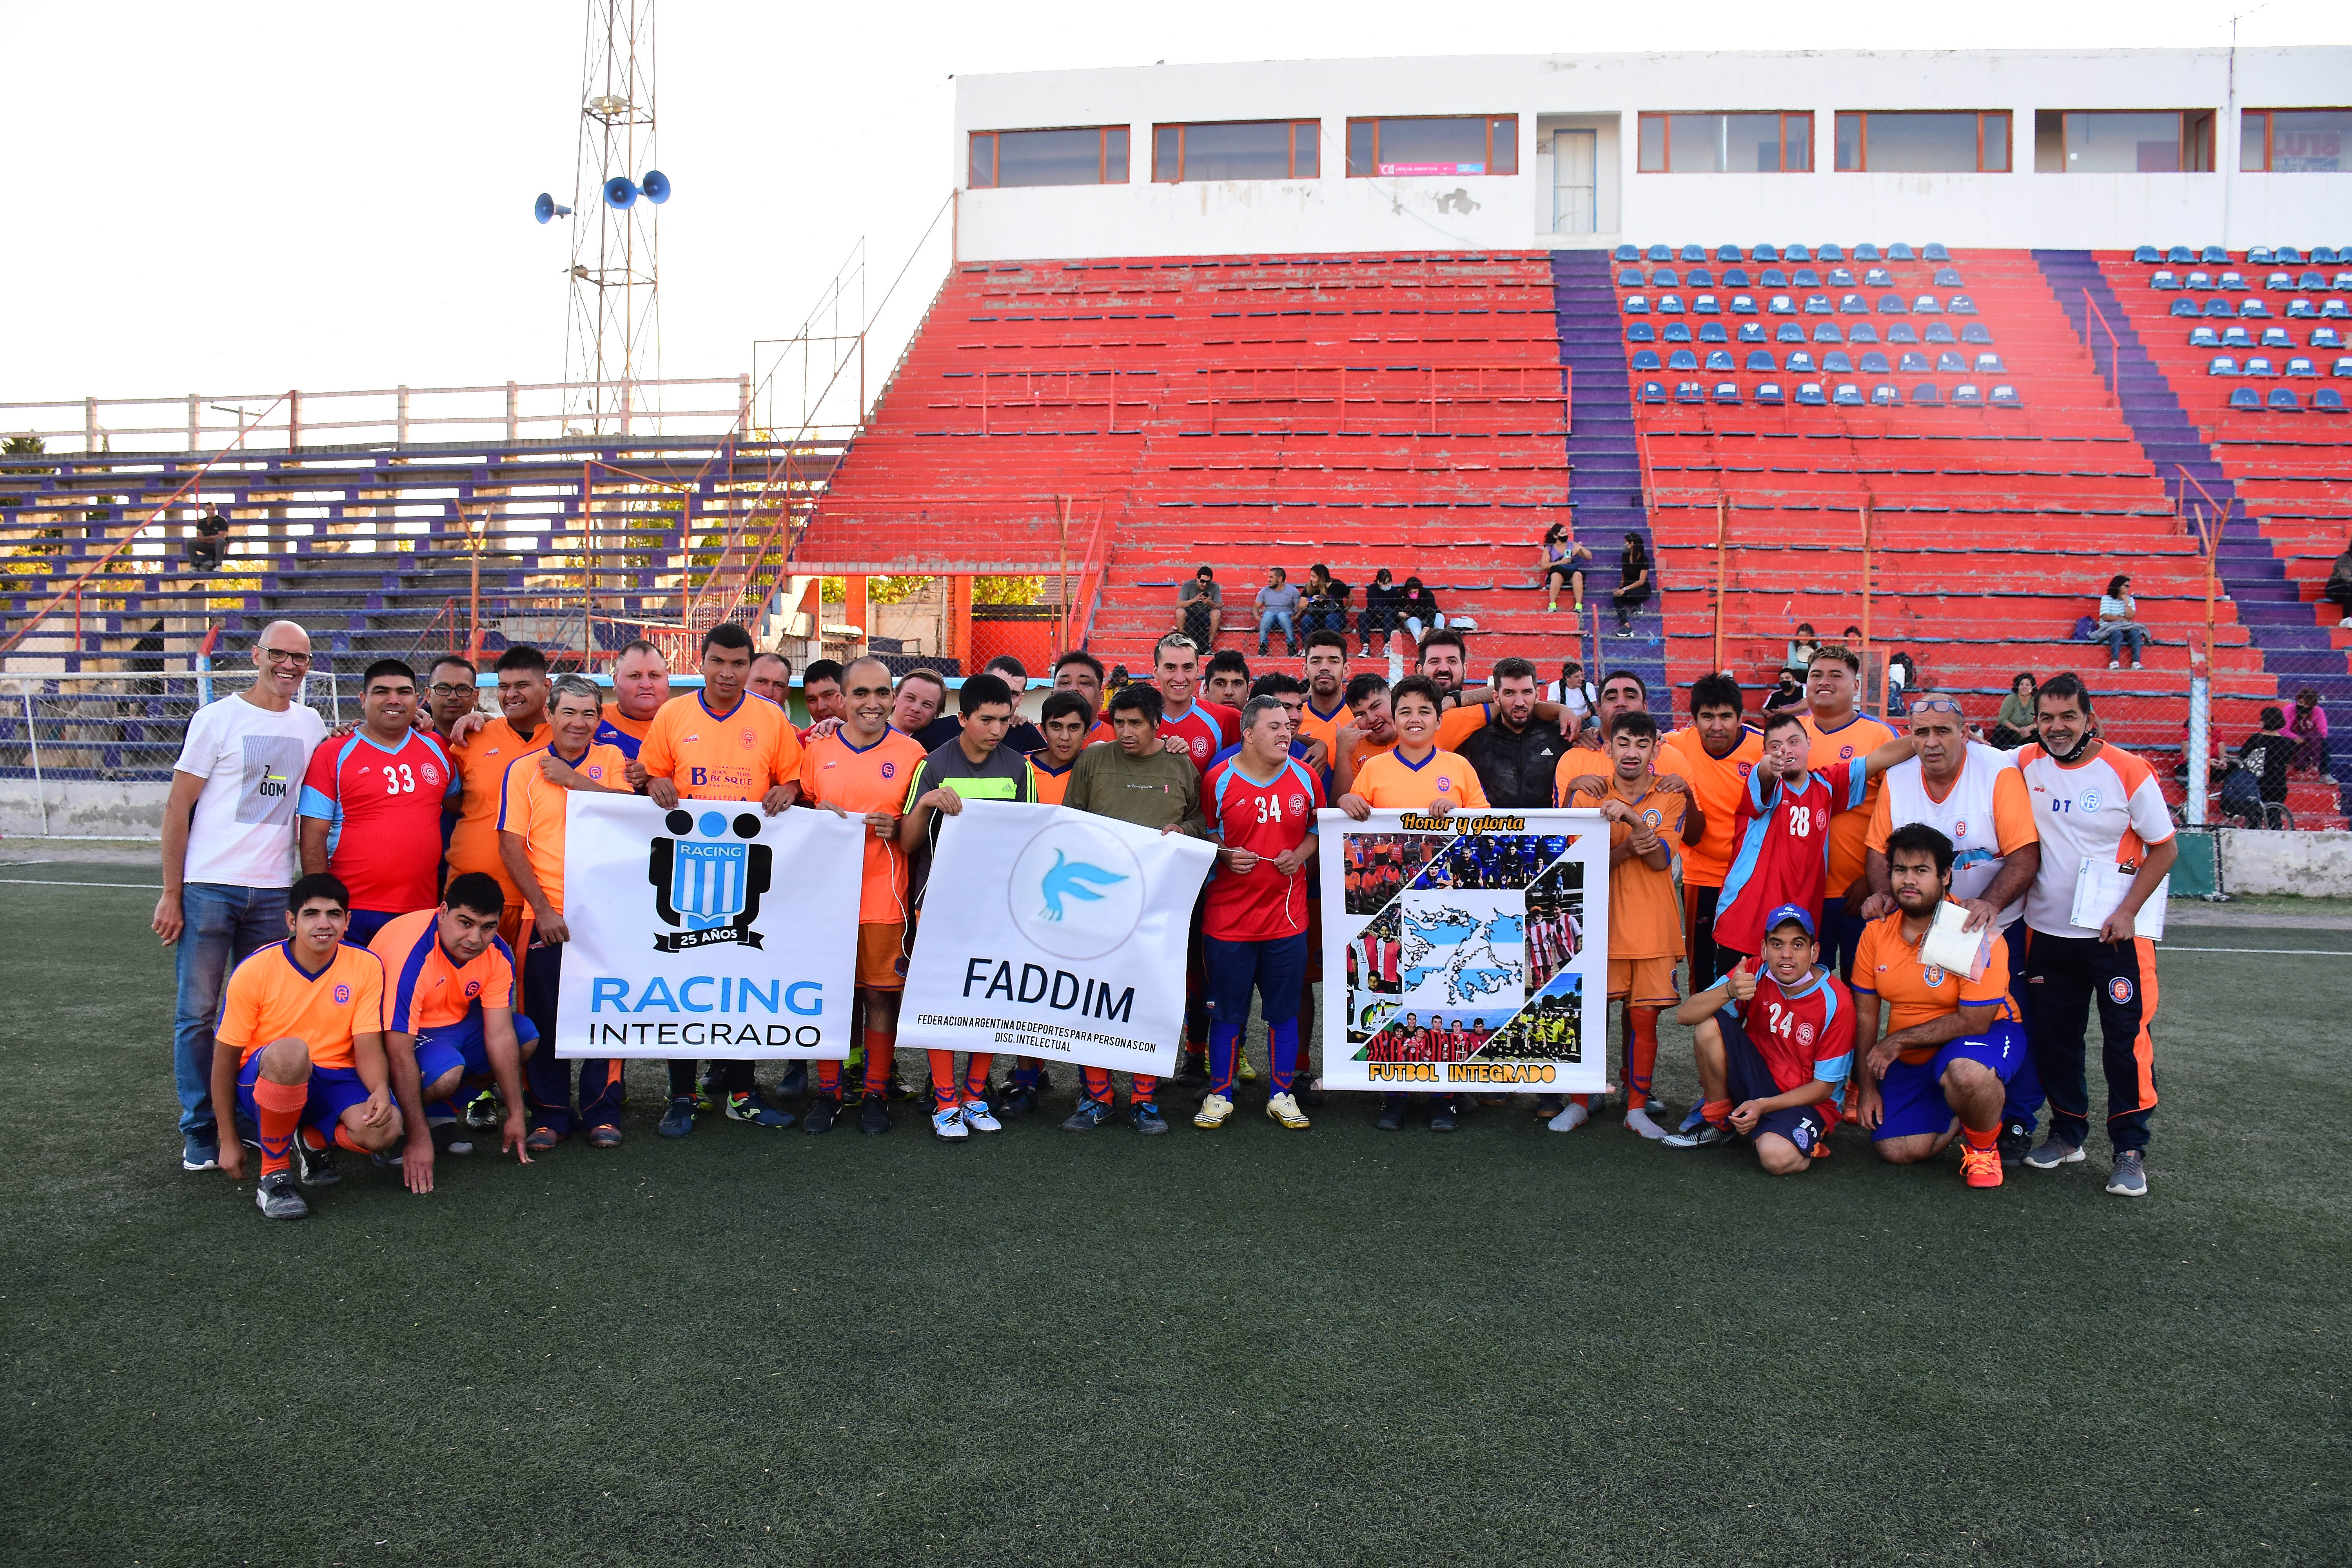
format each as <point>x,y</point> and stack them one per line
<point>1797,912</point>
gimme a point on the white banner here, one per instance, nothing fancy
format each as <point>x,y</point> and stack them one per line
<point>1467,951</point>
<point>713,929</point>
<point>1055,933</point>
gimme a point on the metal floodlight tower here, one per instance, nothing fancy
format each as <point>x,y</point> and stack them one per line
<point>612,335</point>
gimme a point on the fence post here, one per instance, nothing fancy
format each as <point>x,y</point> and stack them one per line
<point>293,418</point>
<point>514,421</point>
<point>32,734</point>
<point>743,402</point>
<point>2200,746</point>
<point>400,418</point>
<point>89,423</point>
<point>627,403</point>
<point>1865,616</point>
<point>195,421</point>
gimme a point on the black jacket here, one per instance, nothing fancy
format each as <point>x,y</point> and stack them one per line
<point>1516,767</point>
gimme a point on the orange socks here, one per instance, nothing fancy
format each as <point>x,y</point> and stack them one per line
<point>278,1107</point>
<point>975,1075</point>
<point>1718,1113</point>
<point>1990,1138</point>
<point>881,1059</point>
<point>1640,1055</point>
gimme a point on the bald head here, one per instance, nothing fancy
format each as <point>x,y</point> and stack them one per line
<point>281,659</point>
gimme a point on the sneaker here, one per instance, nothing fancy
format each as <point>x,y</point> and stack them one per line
<point>315,1167</point>
<point>1213,1111</point>
<point>1708,1136</point>
<point>449,1140</point>
<point>1548,1106</point>
<point>2016,1141</point>
<point>605,1136</point>
<point>1310,1093</point>
<point>2129,1178</point>
<point>794,1085</point>
<point>1191,1070</point>
<point>1570,1118</point>
<point>1638,1120</point>
<point>2053,1153</point>
<point>1242,1071</point>
<point>678,1120</point>
<point>1441,1115</point>
<point>977,1116</point>
<point>1089,1115</point>
<point>874,1116</point>
<point>483,1112</point>
<point>752,1109</point>
<point>710,1088</point>
<point>947,1122</point>
<point>1019,1102</point>
<point>276,1197</point>
<point>1147,1118</point>
<point>1391,1116</point>
<point>2113,665</point>
<point>1284,1108</point>
<point>819,1115</point>
<point>1980,1167</point>
<point>195,1155</point>
<point>898,1089</point>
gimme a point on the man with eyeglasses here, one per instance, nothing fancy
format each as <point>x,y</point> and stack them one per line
<point>229,857</point>
<point>449,696</point>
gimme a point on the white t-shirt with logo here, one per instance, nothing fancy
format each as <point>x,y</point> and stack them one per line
<point>251,761</point>
<point>2110,807</point>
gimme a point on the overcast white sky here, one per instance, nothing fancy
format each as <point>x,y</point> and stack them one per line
<point>233,197</point>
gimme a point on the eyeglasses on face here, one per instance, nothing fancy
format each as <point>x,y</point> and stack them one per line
<point>284,656</point>
<point>450,688</point>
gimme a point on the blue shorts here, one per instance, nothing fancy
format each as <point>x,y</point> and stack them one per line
<point>365,924</point>
<point>461,1044</point>
<point>333,1090</point>
<point>1914,1096</point>
<point>1745,1078</point>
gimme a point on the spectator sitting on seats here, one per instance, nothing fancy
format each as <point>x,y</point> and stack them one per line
<point>1575,696</point>
<point>2337,590</point>
<point>1902,674</point>
<point>1200,608</point>
<point>1801,647</point>
<point>1417,608</point>
<point>1558,557</point>
<point>210,542</point>
<point>2308,725</point>
<point>1325,608</point>
<point>2014,725</point>
<point>2125,637</point>
<point>1790,693</point>
<point>1381,598</point>
<point>1278,607</point>
<point>2268,751</point>
<point>1633,590</point>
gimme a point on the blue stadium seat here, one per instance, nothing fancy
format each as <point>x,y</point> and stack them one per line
<point>1743,304</point>
<point>2288,255</point>
<point>2245,397</point>
<point>1876,365</point>
<point>1926,395</point>
<point>1712,333</point>
<point>1975,332</point>
<point>1951,364</point>
<point>1693,253</point>
<point>1926,305</point>
<point>1935,252</point>
<point>1796,253</point>
<point>1626,253</point>
<point>2335,309</point>
<point>1726,391</point>
<point>2222,364</point>
<point>1885,395</point>
<point>2160,279</point>
<point>1666,278</point>
<point>2146,256</point>
<point>1752,333</point>
<point>1705,305</point>
<point>1670,304</point>
<point>1990,364</point>
<point>1635,305</point>
<point>2343,280</point>
<point>2327,338</point>
<point>1938,332</point>
<point>1878,278</point>
<point>1641,333</point>
<point>2237,338</point>
<point>1719,359</point>
<point>1827,332</point>
<point>1660,253</point>
<point>1735,278</point>
<point>2230,283</point>
<point>2198,282</point>
<point>1646,359</point>
<point>1949,277</point>
<point>2005,396</point>
<point>1804,277</point>
<point>2283,400</point>
<point>1629,278</point>
<point>2302,369</point>
<point>1862,332</point>
<point>1689,392</point>
<point>2259,364</point>
<point>1773,278</point>
<point>1801,364</point>
<point>1682,359</point>
<point>2214,255</point>
<point>1761,359</point>
<point>2216,307</point>
<point>2312,282</point>
<point>2280,283</point>
<point>1967,392</point>
<point>2260,256</point>
<point>2203,338</point>
<point>2323,256</point>
<point>1809,392</point>
<point>1788,333</point>
<point>1960,305</point>
<point>1726,253</point>
<point>1866,251</point>
<point>1781,305</point>
<point>2328,400</point>
<point>2276,338</point>
<point>1893,305</point>
<point>1835,363</point>
<point>2342,368</point>
<point>1653,392</point>
<point>1676,333</point>
<point>1840,278</point>
<point>2179,255</point>
<point>1768,392</point>
<point>2301,309</point>
<point>1899,251</point>
<point>2184,306</point>
<point>1762,253</point>
<point>1700,278</point>
<point>1852,305</point>
<point>1829,252</point>
<point>1901,332</point>
<point>1913,363</point>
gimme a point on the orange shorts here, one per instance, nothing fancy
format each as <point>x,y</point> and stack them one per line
<point>1643,981</point>
<point>881,945</point>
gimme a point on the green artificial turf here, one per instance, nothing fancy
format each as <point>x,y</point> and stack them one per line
<point>1251,1346</point>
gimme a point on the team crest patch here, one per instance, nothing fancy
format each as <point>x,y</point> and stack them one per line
<point>1297,804</point>
<point>747,738</point>
<point>432,773</point>
<point>889,770</point>
<point>1746,768</point>
<point>2090,800</point>
<point>1845,753</point>
<point>1805,1034</point>
<point>1960,829</point>
<point>1200,746</point>
<point>2120,989</point>
<point>342,995</point>
<point>1933,974</point>
<point>1443,783</point>
<point>1802,1136</point>
<point>1820,819</point>
<point>1650,818</point>
<point>473,988</point>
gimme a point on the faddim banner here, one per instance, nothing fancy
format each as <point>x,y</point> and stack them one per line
<point>1051,932</point>
<point>713,929</point>
<point>1466,952</point>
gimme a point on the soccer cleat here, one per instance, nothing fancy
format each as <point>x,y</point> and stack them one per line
<point>195,1155</point>
<point>874,1117</point>
<point>711,1089</point>
<point>1147,1118</point>
<point>819,1117</point>
<point>605,1137</point>
<point>979,1117</point>
<point>1019,1102</point>
<point>678,1120</point>
<point>540,1139</point>
<point>1708,1136</point>
<point>1569,1118</point>
<point>1089,1115</point>
<point>1242,1069</point>
<point>484,1112</point>
<point>1310,1093</point>
<point>1214,1110</point>
<point>1980,1167</point>
<point>794,1085</point>
<point>1441,1115</point>
<point>1547,1106</point>
<point>315,1167</point>
<point>1191,1069</point>
<point>1284,1108</point>
<point>898,1089</point>
<point>947,1122</point>
<point>2016,1141</point>
<point>752,1109</point>
<point>1638,1120</point>
<point>276,1197</point>
<point>1391,1118</point>
<point>2053,1153</point>
<point>2129,1178</point>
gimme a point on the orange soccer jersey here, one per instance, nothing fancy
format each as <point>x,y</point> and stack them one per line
<point>530,806</point>
<point>1887,966</point>
<point>427,989</point>
<point>1645,917</point>
<point>1050,784</point>
<point>1715,784</point>
<point>1387,780</point>
<point>740,755</point>
<point>482,762</point>
<point>1325,727</point>
<point>1848,742</point>
<point>270,996</point>
<point>835,772</point>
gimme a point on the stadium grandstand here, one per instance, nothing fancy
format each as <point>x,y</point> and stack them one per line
<point>1932,345</point>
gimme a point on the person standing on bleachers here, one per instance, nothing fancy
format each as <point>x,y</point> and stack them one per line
<point>1200,608</point>
<point>2117,628</point>
<point>228,858</point>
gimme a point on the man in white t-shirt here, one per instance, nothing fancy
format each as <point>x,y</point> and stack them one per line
<point>228,858</point>
<point>2099,805</point>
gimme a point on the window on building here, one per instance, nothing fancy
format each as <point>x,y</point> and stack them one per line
<point>1766,144</point>
<point>1080,155</point>
<point>2122,141</point>
<point>2296,141</point>
<point>1243,149</point>
<point>1434,144</point>
<point>1965,142</point>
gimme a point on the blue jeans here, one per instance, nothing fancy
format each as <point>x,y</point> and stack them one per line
<point>224,926</point>
<point>2124,634</point>
<point>1269,619</point>
<point>1322,616</point>
<point>1412,623</point>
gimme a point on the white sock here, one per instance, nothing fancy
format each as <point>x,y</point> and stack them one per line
<point>1638,1118</point>
<point>1570,1120</point>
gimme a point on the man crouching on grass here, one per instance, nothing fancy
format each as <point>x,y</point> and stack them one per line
<point>1772,1048</point>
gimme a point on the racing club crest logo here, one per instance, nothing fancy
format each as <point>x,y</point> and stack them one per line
<point>2120,988</point>
<point>706,882</point>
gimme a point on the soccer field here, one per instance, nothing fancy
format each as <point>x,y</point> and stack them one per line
<point>1336,1346</point>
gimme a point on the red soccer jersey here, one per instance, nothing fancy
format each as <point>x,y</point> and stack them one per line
<point>1803,1034</point>
<point>1207,728</point>
<point>1782,844</point>
<point>384,803</point>
<point>1267,819</point>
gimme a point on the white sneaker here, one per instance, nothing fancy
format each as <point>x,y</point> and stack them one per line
<point>948,1123</point>
<point>2347,621</point>
<point>1569,1121</point>
<point>1284,1108</point>
<point>2113,665</point>
<point>1638,1120</point>
<point>979,1117</point>
<point>1213,1110</point>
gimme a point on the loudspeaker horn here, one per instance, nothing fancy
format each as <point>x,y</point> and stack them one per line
<point>619,192</point>
<point>656,185</point>
<point>545,208</point>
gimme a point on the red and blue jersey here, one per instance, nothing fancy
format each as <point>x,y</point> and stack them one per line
<point>384,805</point>
<point>1207,728</point>
<point>1267,819</point>
<point>1780,848</point>
<point>1802,1034</point>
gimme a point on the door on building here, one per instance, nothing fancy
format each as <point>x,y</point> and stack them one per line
<point>1572,197</point>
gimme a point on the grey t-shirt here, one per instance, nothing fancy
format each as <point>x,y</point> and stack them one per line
<point>1281,600</point>
<point>1211,592</point>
